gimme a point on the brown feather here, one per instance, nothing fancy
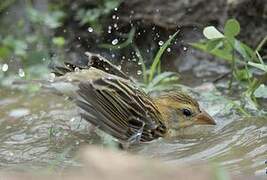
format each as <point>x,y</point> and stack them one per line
<point>120,109</point>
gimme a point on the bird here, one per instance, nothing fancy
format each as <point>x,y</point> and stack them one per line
<point>113,102</point>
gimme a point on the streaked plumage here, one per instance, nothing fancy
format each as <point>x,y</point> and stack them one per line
<point>111,101</point>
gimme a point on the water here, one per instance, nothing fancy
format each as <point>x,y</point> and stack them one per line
<point>35,131</point>
<point>43,131</point>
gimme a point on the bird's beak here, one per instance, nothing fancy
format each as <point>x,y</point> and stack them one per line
<point>205,118</point>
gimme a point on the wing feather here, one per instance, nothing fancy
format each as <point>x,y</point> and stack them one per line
<point>120,109</point>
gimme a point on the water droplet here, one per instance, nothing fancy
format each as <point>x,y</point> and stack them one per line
<point>119,67</point>
<point>115,25</point>
<point>5,67</point>
<point>134,60</point>
<point>113,16</point>
<point>43,59</point>
<point>106,68</point>
<point>115,9</point>
<point>76,69</point>
<point>123,57</point>
<point>139,72</point>
<point>161,43</point>
<point>115,41</point>
<point>168,49</point>
<point>139,63</point>
<point>113,55</point>
<point>51,77</point>
<point>21,72</point>
<point>79,38</point>
<point>90,29</point>
<point>184,48</point>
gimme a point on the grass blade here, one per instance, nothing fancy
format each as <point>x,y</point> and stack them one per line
<point>158,56</point>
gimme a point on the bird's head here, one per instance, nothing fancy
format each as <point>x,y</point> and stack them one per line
<point>179,110</point>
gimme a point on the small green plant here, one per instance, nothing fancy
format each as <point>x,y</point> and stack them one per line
<point>30,47</point>
<point>243,59</point>
<point>153,78</point>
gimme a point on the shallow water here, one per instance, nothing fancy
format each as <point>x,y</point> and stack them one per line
<point>43,131</point>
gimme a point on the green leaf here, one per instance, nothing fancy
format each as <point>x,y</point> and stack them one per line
<point>213,44</point>
<point>4,52</point>
<point>231,28</point>
<point>210,32</point>
<point>249,50</point>
<point>34,16</point>
<point>243,74</point>
<point>19,47</point>
<point>159,78</point>
<point>59,41</point>
<point>231,41</point>
<point>262,67</point>
<point>239,48</point>
<point>53,19</point>
<point>220,53</point>
<point>110,5</point>
<point>163,81</point>
<point>261,91</point>
<point>88,16</point>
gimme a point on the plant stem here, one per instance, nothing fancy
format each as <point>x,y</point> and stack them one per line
<point>232,70</point>
<point>261,44</point>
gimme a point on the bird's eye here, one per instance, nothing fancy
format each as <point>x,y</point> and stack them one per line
<point>187,112</point>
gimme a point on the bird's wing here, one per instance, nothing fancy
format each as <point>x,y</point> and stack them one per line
<point>95,61</point>
<point>99,62</point>
<point>120,109</point>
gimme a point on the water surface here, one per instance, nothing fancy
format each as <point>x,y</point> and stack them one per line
<point>43,131</point>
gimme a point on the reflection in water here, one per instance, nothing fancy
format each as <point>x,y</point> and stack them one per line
<point>44,131</point>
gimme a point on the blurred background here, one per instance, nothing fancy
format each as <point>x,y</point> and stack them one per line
<point>36,33</point>
<point>224,68</point>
